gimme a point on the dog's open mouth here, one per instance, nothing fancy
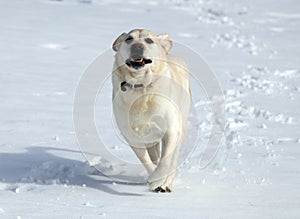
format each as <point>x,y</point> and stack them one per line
<point>138,62</point>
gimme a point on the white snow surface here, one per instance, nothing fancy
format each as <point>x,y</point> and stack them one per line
<point>253,47</point>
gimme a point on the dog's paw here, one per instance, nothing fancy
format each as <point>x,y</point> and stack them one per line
<point>162,190</point>
<point>155,184</point>
<point>160,186</point>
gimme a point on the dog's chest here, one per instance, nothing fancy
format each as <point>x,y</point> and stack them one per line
<point>141,106</point>
<point>138,111</point>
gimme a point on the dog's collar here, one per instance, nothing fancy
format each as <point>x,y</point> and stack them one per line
<point>125,84</point>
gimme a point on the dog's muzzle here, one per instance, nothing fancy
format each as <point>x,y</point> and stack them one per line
<point>137,59</point>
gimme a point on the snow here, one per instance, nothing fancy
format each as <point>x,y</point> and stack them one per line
<point>252,47</point>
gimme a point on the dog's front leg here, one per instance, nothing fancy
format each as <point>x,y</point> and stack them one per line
<point>164,169</point>
<point>145,159</point>
<point>168,183</point>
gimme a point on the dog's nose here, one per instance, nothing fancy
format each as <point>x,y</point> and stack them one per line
<point>137,50</point>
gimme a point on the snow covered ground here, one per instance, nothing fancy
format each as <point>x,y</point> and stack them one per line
<point>253,46</point>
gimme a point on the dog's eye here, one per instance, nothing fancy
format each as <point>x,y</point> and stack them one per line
<point>129,39</point>
<point>149,41</point>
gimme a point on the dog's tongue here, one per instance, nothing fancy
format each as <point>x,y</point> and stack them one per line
<point>137,60</point>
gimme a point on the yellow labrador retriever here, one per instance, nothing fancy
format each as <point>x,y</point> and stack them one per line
<point>151,102</point>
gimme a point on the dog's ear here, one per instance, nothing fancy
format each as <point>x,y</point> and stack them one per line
<point>165,42</point>
<point>118,41</point>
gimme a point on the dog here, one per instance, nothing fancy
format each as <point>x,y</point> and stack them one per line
<point>151,102</point>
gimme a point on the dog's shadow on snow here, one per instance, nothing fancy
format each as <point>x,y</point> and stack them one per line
<point>39,165</point>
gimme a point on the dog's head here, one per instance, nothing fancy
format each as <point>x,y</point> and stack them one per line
<point>140,49</point>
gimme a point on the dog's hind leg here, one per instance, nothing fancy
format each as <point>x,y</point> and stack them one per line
<point>145,159</point>
<point>154,152</point>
